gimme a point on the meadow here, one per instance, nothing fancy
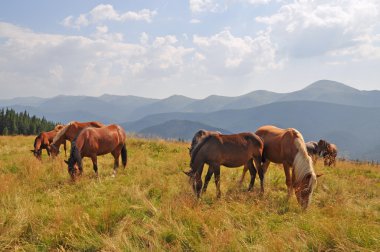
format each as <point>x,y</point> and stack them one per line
<point>150,205</point>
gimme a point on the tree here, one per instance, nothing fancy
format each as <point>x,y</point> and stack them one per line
<point>5,131</point>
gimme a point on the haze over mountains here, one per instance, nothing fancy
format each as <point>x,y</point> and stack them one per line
<point>325,109</point>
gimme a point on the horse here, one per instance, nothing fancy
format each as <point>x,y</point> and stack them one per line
<point>312,150</point>
<point>228,150</point>
<point>43,141</point>
<point>287,147</point>
<point>69,132</point>
<point>328,151</point>
<point>92,142</point>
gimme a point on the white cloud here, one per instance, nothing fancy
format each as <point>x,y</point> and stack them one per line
<point>313,28</point>
<point>106,12</point>
<point>198,6</point>
<point>59,64</point>
<point>224,53</point>
<point>195,21</point>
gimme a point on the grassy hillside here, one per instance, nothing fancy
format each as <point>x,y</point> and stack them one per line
<point>150,206</point>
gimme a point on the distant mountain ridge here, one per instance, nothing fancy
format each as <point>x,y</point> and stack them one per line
<point>323,109</point>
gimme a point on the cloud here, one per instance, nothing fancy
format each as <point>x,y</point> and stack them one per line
<point>224,53</point>
<point>52,64</point>
<point>195,21</point>
<point>106,12</point>
<point>313,28</point>
<point>197,6</point>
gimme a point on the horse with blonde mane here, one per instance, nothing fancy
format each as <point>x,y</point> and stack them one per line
<point>287,147</point>
<point>43,141</point>
<point>69,132</point>
<point>228,150</point>
<point>92,142</point>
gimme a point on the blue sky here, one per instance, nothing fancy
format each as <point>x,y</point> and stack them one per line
<point>194,48</point>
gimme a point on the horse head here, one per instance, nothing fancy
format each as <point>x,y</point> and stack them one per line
<point>72,167</point>
<point>37,153</point>
<point>305,188</point>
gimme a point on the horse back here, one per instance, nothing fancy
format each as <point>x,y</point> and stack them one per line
<point>100,140</point>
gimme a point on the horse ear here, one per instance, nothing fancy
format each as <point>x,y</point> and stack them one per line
<point>67,162</point>
<point>318,175</point>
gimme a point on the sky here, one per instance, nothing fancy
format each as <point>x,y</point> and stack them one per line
<point>194,48</point>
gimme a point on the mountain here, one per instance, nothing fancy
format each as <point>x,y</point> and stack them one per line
<point>353,129</point>
<point>117,108</point>
<point>335,92</point>
<point>178,129</point>
<point>170,104</point>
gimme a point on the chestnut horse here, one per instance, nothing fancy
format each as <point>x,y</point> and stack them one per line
<point>43,141</point>
<point>287,147</point>
<point>228,150</point>
<point>69,132</point>
<point>93,142</point>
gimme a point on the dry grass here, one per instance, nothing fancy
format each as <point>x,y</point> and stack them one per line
<point>150,206</point>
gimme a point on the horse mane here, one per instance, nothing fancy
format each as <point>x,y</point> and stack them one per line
<point>75,153</point>
<point>62,132</point>
<point>198,147</point>
<point>302,164</point>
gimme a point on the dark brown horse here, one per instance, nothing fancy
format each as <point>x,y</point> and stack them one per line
<point>43,141</point>
<point>93,142</point>
<point>287,147</point>
<point>329,152</point>
<point>194,142</point>
<point>69,132</point>
<point>228,150</point>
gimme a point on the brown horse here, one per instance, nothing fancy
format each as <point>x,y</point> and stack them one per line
<point>228,150</point>
<point>93,142</point>
<point>329,152</point>
<point>69,132</point>
<point>43,141</point>
<point>287,147</point>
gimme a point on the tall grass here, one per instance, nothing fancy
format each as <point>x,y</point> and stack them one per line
<point>151,206</point>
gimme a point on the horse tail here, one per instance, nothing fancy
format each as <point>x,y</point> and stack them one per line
<point>197,148</point>
<point>124,157</point>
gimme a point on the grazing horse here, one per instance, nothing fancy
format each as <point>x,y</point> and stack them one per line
<point>43,141</point>
<point>93,142</point>
<point>329,152</point>
<point>194,142</point>
<point>228,150</point>
<point>69,132</point>
<point>312,150</point>
<point>287,147</point>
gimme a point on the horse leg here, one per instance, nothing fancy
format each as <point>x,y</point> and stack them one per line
<point>243,174</point>
<point>262,170</point>
<point>207,178</point>
<point>116,163</point>
<point>95,165</point>
<point>217,180</point>
<point>47,150</point>
<point>289,180</point>
<point>252,171</point>
<point>197,186</point>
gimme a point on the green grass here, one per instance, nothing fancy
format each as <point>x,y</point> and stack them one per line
<point>151,206</point>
